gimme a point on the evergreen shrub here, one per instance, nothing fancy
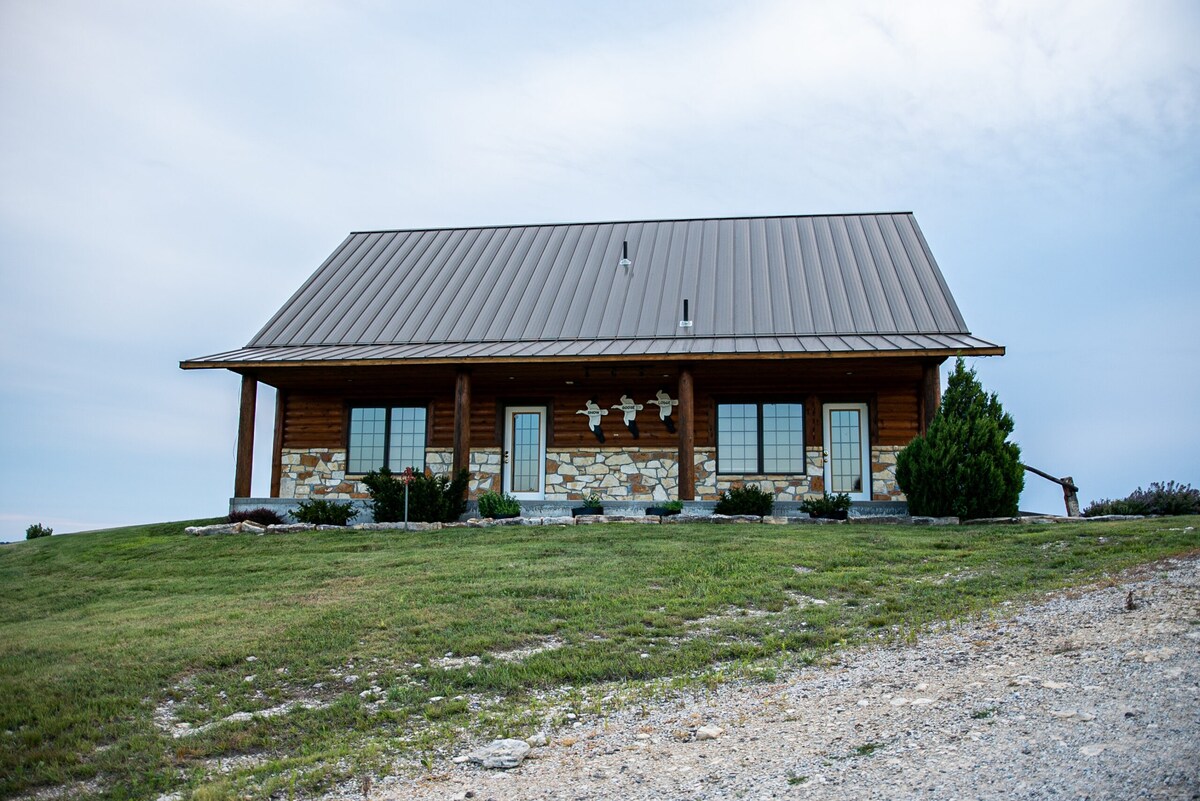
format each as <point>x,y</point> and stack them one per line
<point>261,515</point>
<point>496,504</point>
<point>37,530</point>
<point>964,465</point>
<point>431,499</point>
<point>322,512</point>
<point>832,507</point>
<point>745,500</point>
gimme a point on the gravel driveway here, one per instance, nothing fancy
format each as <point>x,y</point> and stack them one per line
<point>1075,697</point>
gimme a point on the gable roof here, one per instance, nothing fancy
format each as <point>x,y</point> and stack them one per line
<point>853,284</point>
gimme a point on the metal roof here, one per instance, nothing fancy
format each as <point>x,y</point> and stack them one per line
<point>862,283</point>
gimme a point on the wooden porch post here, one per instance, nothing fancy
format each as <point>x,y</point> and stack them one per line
<point>277,447</point>
<point>687,437</point>
<point>245,440</point>
<point>931,394</point>
<point>462,421</point>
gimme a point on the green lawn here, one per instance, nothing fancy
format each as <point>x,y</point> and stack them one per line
<point>100,630</point>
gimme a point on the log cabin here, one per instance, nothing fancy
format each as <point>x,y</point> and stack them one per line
<point>641,361</point>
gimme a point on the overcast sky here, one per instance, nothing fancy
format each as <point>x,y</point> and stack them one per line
<point>171,172</point>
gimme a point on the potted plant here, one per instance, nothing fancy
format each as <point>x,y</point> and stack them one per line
<point>591,506</point>
<point>498,505</point>
<point>831,507</point>
<point>665,509</point>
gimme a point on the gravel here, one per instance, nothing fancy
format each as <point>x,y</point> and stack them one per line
<point>1091,693</point>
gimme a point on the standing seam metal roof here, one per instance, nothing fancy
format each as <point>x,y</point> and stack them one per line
<point>757,284</point>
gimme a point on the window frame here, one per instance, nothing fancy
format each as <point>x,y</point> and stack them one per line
<point>388,408</point>
<point>761,445</point>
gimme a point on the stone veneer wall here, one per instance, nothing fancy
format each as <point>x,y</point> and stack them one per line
<point>313,472</point>
<point>883,473</point>
<point>632,474</point>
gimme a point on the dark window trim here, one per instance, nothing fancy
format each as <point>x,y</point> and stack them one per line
<point>387,427</point>
<point>758,406</point>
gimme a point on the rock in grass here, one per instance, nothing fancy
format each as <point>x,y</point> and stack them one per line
<point>220,528</point>
<point>501,754</point>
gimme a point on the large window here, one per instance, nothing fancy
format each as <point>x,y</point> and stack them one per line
<point>391,437</point>
<point>760,438</point>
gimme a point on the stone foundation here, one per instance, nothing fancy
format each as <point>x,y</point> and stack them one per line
<point>616,474</point>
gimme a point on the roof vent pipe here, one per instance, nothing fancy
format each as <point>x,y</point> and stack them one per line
<point>625,262</point>
<point>686,322</point>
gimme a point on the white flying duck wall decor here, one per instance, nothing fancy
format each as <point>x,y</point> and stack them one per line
<point>630,410</point>
<point>594,413</point>
<point>665,402</point>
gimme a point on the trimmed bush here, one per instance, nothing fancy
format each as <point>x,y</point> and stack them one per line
<point>1160,499</point>
<point>322,512</point>
<point>431,499</point>
<point>964,464</point>
<point>38,530</point>
<point>745,500</point>
<point>495,504</point>
<point>833,507</point>
<point>261,515</point>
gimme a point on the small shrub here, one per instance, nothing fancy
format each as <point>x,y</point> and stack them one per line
<point>495,504</point>
<point>38,530</point>
<point>431,499</point>
<point>673,506</point>
<point>322,512</point>
<point>261,515</point>
<point>592,501</point>
<point>1160,499</point>
<point>834,507</point>
<point>745,500</point>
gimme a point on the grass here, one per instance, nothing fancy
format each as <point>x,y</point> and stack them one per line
<point>350,634</point>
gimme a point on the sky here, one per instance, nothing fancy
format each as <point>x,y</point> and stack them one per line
<point>171,172</point>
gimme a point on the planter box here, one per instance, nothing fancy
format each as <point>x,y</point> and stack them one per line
<point>661,511</point>
<point>831,515</point>
<point>579,511</point>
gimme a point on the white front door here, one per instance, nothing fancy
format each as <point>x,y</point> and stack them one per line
<point>524,454</point>
<point>847,451</point>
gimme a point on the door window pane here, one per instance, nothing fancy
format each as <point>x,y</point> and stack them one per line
<point>845,434</point>
<point>526,451</point>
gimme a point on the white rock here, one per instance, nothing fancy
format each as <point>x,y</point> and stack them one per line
<point>501,754</point>
<point>709,732</point>
<point>537,740</point>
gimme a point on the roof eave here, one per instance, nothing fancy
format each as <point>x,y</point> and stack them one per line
<point>202,364</point>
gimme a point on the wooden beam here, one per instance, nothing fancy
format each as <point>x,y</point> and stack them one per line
<point>245,440</point>
<point>462,421</point>
<point>687,436</point>
<point>277,447</point>
<point>931,393</point>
